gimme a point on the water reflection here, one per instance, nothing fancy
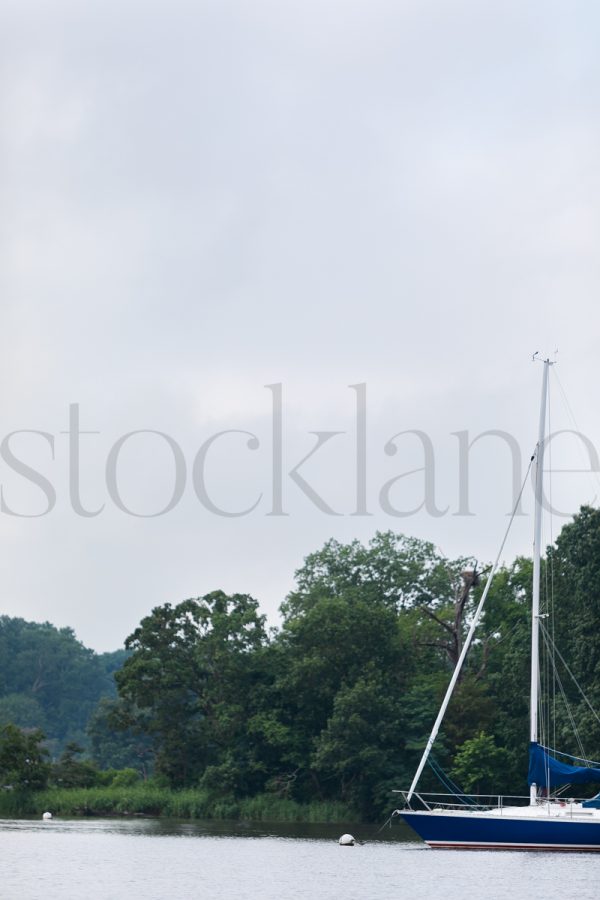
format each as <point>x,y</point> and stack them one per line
<point>214,829</point>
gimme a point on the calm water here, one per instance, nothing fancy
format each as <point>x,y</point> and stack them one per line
<point>156,860</point>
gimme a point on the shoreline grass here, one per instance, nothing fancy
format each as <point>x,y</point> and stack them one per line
<point>150,800</point>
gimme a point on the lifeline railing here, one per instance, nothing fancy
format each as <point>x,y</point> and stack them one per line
<point>434,800</point>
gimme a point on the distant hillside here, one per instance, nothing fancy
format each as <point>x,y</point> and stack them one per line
<point>50,680</point>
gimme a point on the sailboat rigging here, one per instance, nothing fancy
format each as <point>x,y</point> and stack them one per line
<point>545,822</point>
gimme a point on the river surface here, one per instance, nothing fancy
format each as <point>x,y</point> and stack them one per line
<point>85,859</point>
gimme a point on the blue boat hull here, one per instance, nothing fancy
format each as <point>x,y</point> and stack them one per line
<point>468,831</point>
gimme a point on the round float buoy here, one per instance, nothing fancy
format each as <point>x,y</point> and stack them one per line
<point>346,840</point>
<point>46,816</point>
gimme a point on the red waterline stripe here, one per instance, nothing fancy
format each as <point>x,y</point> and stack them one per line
<point>437,845</point>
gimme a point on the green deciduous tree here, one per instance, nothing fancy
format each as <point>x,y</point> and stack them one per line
<point>573,605</point>
<point>70,771</point>
<point>480,766</point>
<point>190,678</point>
<point>393,569</point>
<point>23,760</point>
<point>119,738</point>
<point>361,747</point>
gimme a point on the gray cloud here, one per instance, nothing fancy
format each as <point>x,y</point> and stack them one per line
<point>201,199</point>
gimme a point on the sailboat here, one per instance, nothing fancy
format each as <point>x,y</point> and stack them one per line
<point>544,820</point>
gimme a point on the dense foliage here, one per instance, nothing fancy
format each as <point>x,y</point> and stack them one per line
<point>335,705</point>
<point>23,759</point>
<point>49,680</point>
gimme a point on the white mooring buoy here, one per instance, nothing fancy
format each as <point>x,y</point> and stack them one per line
<point>46,816</point>
<point>346,840</point>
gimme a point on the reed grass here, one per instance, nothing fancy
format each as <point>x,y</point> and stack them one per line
<point>151,800</point>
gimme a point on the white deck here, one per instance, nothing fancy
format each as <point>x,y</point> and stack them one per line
<point>552,810</point>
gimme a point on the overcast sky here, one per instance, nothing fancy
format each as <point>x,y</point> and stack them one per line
<point>201,199</point>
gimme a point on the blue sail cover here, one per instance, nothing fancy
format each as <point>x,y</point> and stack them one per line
<point>542,765</point>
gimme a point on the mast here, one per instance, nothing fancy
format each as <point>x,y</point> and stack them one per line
<point>538,459</point>
<point>537,550</point>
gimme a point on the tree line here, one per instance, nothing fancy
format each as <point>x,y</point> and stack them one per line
<point>337,702</point>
